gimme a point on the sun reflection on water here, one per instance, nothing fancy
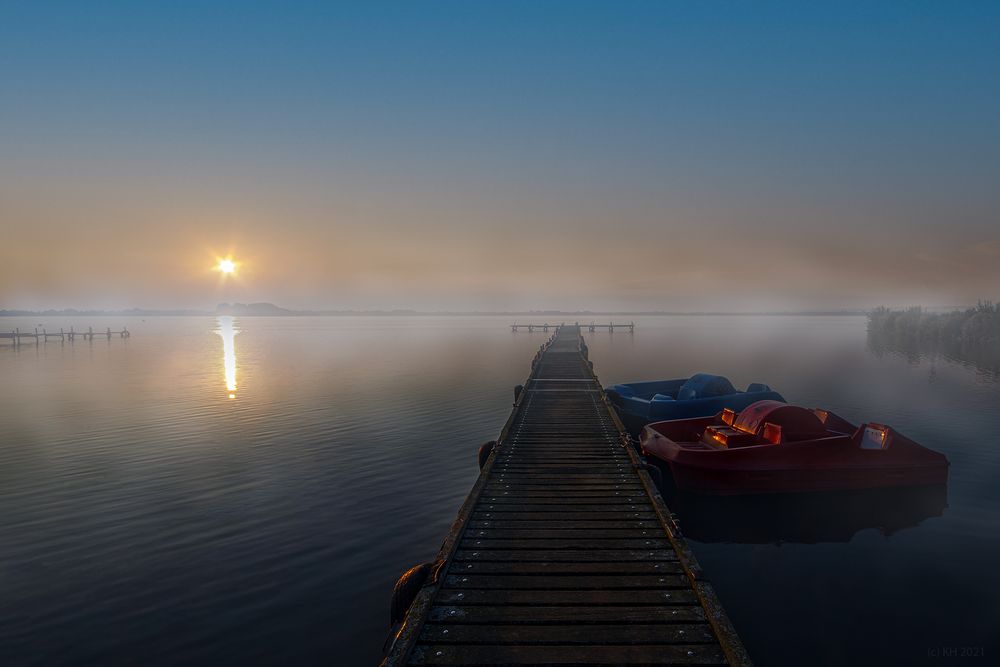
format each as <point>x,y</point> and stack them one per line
<point>227,329</point>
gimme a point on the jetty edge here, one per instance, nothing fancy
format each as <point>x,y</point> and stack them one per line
<point>16,334</point>
<point>564,551</point>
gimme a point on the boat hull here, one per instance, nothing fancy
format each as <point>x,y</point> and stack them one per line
<point>641,403</point>
<point>772,447</point>
<point>714,481</point>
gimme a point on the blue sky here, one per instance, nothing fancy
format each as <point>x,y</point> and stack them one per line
<point>502,155</point>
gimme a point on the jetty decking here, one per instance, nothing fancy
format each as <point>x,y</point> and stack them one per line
<point>610,326</point>
<point>16,335</point>
<point>564,552</point>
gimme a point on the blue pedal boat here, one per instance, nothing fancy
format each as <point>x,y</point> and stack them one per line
<point>701,395</point>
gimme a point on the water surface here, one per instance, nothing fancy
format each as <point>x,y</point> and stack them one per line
<point>228,490</point>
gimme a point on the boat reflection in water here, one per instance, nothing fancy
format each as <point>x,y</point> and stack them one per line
<point>806,518</point>
<point>227,329</point>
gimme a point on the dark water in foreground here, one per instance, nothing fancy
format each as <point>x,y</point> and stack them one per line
<point>146,516</point>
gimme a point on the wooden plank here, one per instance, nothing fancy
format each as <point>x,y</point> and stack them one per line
<point>575,544</point>
<point>571,501</point>
<point>516,484</point>
<point>566,555</point>
<point>561,471</point>
<point>567,567</point>
<point>600,494</point>
<point>594,524</point>
<point>570,598</point>
<point>674,633</point>
<point>556,515</point>
<point>623,489</point>
<point>644,654</point>
<point>560,615</point>
<point>592,464</point>
<point>576,478</point>
<point>562,533</point>
<point>624,509</point>
<point>598,458</point>
<point>529,582</point>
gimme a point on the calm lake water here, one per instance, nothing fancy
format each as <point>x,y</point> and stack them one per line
<point>230,491</point>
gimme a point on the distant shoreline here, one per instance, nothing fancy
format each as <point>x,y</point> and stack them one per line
<point>973,326</point>
<point>135,312</point>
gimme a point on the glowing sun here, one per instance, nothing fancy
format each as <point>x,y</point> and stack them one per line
<point>226,266</point>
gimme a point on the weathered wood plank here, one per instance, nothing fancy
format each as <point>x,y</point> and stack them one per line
<point>679,633</point>
<point>564,502</point>
<point>555,516</point>
<point>644,654</point>
<point>562,533</point>
<point>587,478</point>
<point>528,582</point>
<point>625,508</point>
<point>559,615</point>
<point>598,496</point>
<point>568,598</point>
<point>553,544</point>
<point>529,490</point>
<point>477,566</point>
<point>595,524</point>
<point>566,555</point>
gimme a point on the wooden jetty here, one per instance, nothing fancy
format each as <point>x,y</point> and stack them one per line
<point>610,326</point>
<point>532,327</point>
<point>16,335</point>
<point>564,552</point>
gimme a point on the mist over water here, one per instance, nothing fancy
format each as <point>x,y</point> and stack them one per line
<point>248,489</point>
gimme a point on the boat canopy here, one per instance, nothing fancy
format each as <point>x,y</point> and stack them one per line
<point>704,385</point>
<point>795,423</point>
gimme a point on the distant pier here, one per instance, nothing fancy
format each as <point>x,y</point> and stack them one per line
<point>610,326</point>
<point>16,336</point>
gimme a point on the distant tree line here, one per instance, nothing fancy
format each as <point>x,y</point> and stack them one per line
<point>973,326</point>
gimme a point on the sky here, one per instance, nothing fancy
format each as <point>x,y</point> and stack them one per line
<point>500,155</point>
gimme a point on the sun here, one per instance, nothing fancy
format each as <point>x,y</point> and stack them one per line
<point>226,266</point>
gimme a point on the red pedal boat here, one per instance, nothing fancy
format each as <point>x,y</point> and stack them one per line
<point>773,447</point>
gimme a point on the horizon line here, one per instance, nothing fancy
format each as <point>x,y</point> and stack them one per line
<point>270,310</point>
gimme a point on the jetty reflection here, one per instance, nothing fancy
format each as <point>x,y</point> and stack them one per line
<point>227,330</point>
<point>807,518</point>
